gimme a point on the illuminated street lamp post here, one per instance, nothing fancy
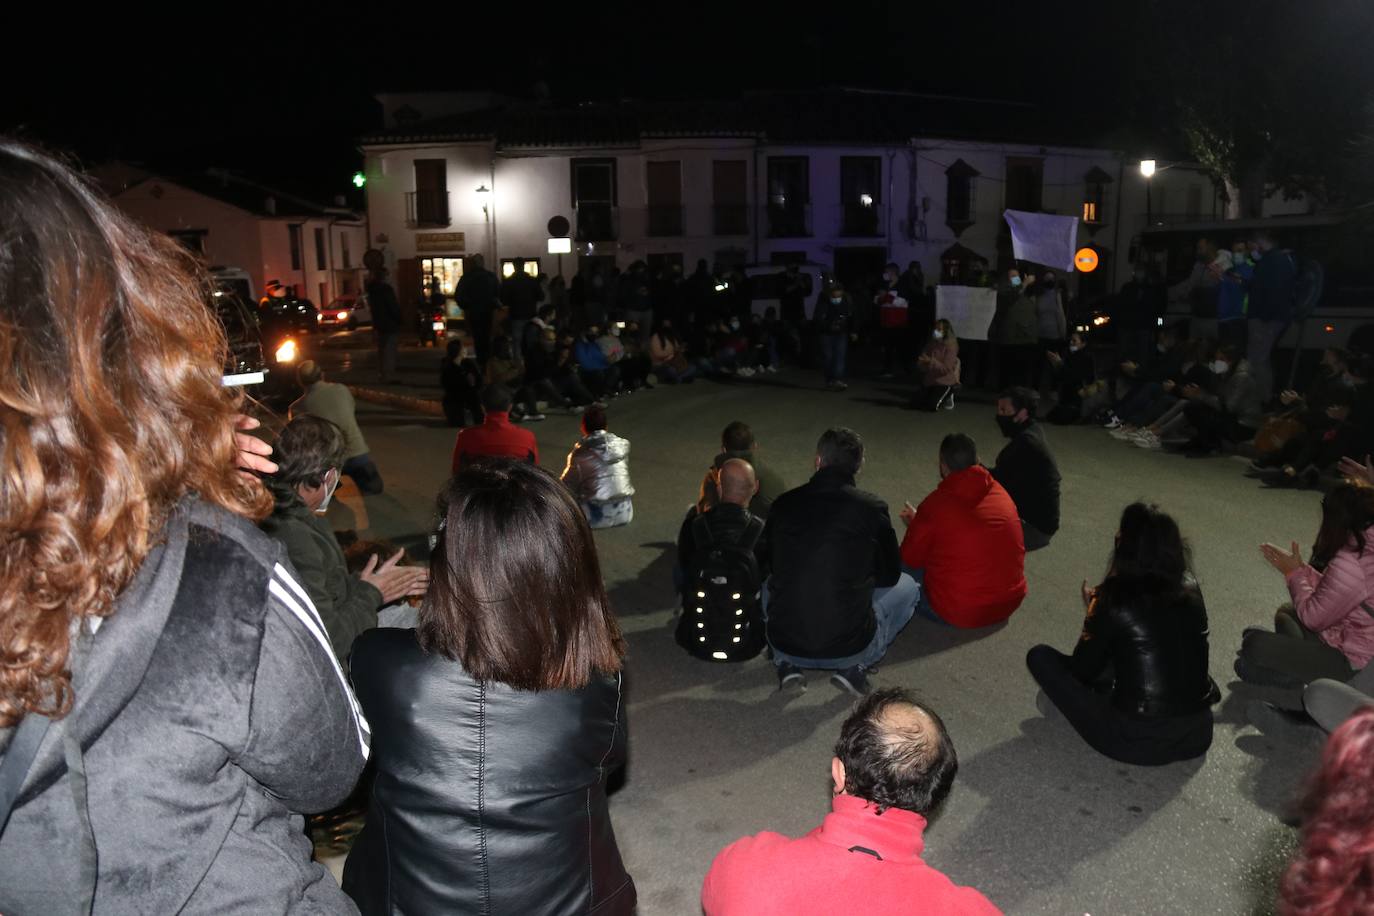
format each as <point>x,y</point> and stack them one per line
<point>1147,169</point>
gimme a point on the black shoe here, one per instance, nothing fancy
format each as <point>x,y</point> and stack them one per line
<point>853,680</point>
<point>789,675</point>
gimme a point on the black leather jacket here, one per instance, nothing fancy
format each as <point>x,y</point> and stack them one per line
<point>1151,643</point>
<point>487,799</point>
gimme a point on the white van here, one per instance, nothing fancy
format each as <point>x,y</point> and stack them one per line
<point>765,285</point>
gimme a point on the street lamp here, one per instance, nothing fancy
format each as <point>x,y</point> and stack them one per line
<point>1147,169</point>
<point>482,192</point>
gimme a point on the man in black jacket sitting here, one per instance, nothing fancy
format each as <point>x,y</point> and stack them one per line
<point>1026,469</point>
<point>837,597</point>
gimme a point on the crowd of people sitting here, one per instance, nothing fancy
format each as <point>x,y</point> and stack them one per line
<point>190,662</point>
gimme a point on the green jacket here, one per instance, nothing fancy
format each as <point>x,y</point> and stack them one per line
<point>347,605</point>
<point>1019,325</point>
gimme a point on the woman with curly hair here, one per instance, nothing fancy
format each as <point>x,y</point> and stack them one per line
<point>169,704</point>
<point>1333,871</point>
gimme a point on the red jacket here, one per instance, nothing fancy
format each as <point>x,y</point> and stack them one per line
<point>826,871</point>
<point>967,538</point>
<point>497,437</point>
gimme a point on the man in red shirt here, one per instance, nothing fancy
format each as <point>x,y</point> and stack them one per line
<point>497,437</point>
<point>893,765</point>
<point>964,544</point>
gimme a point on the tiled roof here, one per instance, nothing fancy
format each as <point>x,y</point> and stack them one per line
<point>831,116</point>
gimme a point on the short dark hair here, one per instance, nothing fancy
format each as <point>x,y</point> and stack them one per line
<point>306,448</point>
<point>497,399</point>
<point>1022,398</point>
<point>958,451</point>
<point>547,310</point>
<point>515,589</point>
<point>737,437</point>
<point>841,447</point>
<point>594,418</point>
<point>308,373</point>
<point>896,764</point>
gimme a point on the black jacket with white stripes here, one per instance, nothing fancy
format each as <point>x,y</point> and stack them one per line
<point>210,712</point>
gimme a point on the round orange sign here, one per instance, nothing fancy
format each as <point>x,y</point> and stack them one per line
<point>1085,260</point>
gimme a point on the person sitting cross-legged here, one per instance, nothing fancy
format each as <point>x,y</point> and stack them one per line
<point>598,473</point>
<point>1026,469</point>
<point>963,544</point>
<point>837,596</point>
<point>893,766</point>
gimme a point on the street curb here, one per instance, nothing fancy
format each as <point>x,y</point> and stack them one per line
<point>401,401</point>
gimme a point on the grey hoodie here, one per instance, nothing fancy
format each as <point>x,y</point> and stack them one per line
<point>209,711</point>
<point>598,468</point>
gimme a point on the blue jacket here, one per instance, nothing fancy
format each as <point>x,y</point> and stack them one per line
<point>1271,288</point>
<point>1231,293</point>
<point>589,355</point>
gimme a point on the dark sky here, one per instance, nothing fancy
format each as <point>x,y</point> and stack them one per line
<point>281,93</point>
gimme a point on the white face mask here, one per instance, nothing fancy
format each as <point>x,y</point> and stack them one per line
<point>1220,366</point>
<point>1073,349</point>
<point>937,334</point>
<point>615,332</point>
<point>329,490</point>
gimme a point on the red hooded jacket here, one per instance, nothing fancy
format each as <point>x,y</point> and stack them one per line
<point>497,437</point>
<point>967,538</point>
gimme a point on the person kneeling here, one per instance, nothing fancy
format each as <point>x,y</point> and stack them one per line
<point>1136,687</point>
<point>598,473</point>
<point>893,766</point>
<point>963,545</point>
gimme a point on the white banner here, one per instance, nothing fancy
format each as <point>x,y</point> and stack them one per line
<point>968,308</point>
<point>1043,239</point>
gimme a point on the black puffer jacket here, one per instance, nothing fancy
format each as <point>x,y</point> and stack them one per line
<point>829,545</point>
<point>1153,641</point>
<point>487,799</point>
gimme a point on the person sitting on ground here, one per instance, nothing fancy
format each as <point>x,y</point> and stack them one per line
<point>1309,457</point>
<point>939,365</point>
<point>1075,377</point>
<point>1139,381</point>
<point>614,350</point>
<point>309,454</point>
<point>722,616</point>
<point>499,718</point>
<point>461,379</point>
<point>669,363</point>
<point>1199,382</point>
<point>894,765</point>
<point>1328,630</point>
<point>1136,687</point>
<point>546,320</point>
<point>837,596</point>
<point>1331,871</point>
<point>497,437</point>
<point>963,545</point>
<point>1026,469</point>
<point>506,369</point>
<point>598,473</point>
<point>635,366</point>
<point>600,374</point>
<point>540,370</point>
<point>1232,414</point>
<point>737,441</point>
<point>334,402</point>
<point>567,380</point>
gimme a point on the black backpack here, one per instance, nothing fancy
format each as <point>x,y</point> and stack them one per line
<point>722,616</point>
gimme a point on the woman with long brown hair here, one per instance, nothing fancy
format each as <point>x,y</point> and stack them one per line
<point>499,718</point>
<point>158,664</point>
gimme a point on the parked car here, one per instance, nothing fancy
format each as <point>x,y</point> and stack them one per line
<point>288,314</point>
<point>765,285</point>
<point>345,311</point>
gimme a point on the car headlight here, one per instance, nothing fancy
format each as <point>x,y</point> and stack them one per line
<point>342,316</point>
<point>287,352</point>
<point>320,317</point>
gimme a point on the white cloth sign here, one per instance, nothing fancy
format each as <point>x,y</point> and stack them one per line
<point>1043,239</point>
<point>969,309</point>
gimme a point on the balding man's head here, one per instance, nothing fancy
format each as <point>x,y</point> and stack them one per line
<point>737,482</point>
<point>894,751</point>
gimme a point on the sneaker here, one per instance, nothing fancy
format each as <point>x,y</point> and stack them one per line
<point>576,410</point>
<point>773,369</point>
<point>1123,432</point>
<point>650,380</point>
<point>533,417</point>
<point>1114,422</point>
<point>746,372</point>
<point>853,680</point>
<point>1147,439</point>
<point>841,386</point>
<point>946,402</point>
<point>789,675</point>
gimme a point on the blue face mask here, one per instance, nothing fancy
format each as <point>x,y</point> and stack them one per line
<point>1015,281</point>
<point>835,301</point>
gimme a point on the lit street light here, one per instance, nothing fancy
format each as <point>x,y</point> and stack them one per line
<point>1147,169</point>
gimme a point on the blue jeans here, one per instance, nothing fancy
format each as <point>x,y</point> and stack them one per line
<point>892,609</point>
<point>834,349</point>
<point>923,608</point>
<point>364,473</point>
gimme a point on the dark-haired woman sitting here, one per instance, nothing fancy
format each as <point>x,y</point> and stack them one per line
<point>1136,687</point>
<point>498,718</point>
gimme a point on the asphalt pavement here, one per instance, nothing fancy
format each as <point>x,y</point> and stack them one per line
<point>1037,821</point>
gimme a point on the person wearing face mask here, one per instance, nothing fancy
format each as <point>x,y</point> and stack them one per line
<point>1231,413</point>
<point>939,364</point>
<point>1015,329</point>
<point>893,318</point>
<point>835,320</point>
<point>1233,292</point>
<point>1026,468</point>
<point>309,455</point>
<point>1075,377</point>
<point>1051,326</point>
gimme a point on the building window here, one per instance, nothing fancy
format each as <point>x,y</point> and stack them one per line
<point>347,254</point>
<point>861,195</point>
<point>960,266</point>
<point>959,196</point>
<point>663,182</point>
<point>1025,183</point>
<point>443,272</point>
<point>1095,196</point>
<point>293,232</point>
<point>789,196</point>
<point>427,205</point>
<point>321,253</point>
<point>594,199</point>
<point>730,197</point>
<point>508,267</point>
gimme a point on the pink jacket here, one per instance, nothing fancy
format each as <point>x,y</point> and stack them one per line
<point>1329,603</point>
<point>943,368</point>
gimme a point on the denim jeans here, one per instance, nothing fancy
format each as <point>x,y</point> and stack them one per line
<point>611,514</point>
<point>892,608</point>
<point>834,349</point>
<point>923,608</point>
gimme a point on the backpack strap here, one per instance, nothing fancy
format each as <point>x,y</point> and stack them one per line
<point>701,533</point>
<point>752,532</point>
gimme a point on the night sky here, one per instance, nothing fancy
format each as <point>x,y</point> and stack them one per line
<point>282,96</point>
